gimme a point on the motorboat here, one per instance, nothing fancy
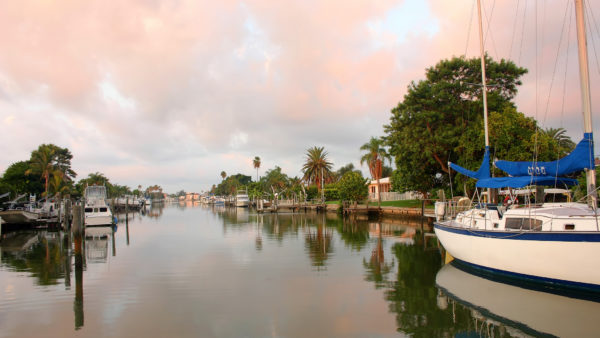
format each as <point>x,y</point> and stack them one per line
<point>241,199</point>
<point>97,211</point>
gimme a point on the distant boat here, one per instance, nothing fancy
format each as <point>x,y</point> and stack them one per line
<point>241,199</point>
<point>97,211</point>
<point>16,212</point>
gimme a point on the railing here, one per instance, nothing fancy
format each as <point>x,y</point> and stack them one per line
<point>396,196</point>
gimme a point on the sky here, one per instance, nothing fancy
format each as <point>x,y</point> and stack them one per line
<point>174,92</point>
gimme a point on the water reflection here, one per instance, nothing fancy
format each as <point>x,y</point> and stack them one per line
<point>515,310</point>
<point>42,254</point>
<point>377,267</point>
<point>318,243</point>
<point>205,273</point>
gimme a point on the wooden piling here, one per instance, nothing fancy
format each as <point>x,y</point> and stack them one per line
<point>78,220</point>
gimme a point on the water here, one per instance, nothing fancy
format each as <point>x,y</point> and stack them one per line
<point>190,271</point>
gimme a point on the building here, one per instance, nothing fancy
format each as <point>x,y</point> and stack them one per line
<point>384,183</point>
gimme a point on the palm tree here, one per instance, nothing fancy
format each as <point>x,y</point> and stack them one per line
<point>42,162</point>
<point>223,174</point>
<point>256,163</point>
<point>563,140</point>
<point>57,183</point>
<point>316,166</point>
<point>375,157</point>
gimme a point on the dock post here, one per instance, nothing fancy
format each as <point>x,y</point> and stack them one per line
<point>77,226</point>
<point>67,217</point>
<point>423,208</point>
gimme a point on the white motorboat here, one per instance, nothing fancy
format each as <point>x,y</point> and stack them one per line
<point>97,211</point>
<point>551,243</point>
<point>241,199</point>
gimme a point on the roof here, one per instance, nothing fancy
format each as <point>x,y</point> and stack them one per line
<point>381,181</point>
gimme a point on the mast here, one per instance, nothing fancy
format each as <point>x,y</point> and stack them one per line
<point>585,95</point>
<point>481,51</point>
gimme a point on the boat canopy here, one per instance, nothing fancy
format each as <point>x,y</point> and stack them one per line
<point>525,173</point>
<point>523,181</point>
<point>484,169</point>
<point>582,157</point>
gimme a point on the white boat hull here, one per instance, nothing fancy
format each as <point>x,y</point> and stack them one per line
<point>18,216</point>
<point>98,220</point>
<point>569,259</point>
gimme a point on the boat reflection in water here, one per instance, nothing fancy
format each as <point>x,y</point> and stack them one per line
<point>520,311</point>
<point>96,243</point>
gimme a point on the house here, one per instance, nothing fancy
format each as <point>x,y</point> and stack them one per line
<point>384,183</point>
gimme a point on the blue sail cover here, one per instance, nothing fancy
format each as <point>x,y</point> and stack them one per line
<point>582,157</point>
<point>482,173</point>
<point>523,181</point>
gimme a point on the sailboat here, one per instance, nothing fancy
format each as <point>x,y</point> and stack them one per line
<point>556,244</point>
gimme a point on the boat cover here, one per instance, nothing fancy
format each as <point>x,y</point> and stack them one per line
<point>484,169</point>
<point>523,181</point>
<point>582,157</point>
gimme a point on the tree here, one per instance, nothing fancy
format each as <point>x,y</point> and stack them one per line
<point>347,168</point>
<point>256,163</point>
<point>48,159</point>
<point>223,175</point>
<point>42,163</point>
<point>564,141</point>
<point>375,156</point>
<point>427,129</point>
<point>353,187</point>
<point>58,185</point>
<point>18,182</point>
<point>317,166</point>
<point>275,180</point>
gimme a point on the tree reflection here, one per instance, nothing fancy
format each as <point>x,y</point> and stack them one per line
<point>377,268</point>
<point>354,234</point>
<point>41,254</point>
<point>421,309</point>
<point>318,243</point>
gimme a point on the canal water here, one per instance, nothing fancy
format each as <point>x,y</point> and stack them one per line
<point>196,271</point>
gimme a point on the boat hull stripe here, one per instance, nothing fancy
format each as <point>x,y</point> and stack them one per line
<point>537,279</point>
<point>525,235</point>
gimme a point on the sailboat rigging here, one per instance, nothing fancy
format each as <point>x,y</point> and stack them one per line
<point>552,243</point>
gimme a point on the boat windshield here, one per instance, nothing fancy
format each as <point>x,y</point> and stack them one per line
<point>95,192</point>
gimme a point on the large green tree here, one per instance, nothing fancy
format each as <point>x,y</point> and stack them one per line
<point>49,160</point>
<point>427,128</point>
<point>17,182</point>
<point>352,187</point>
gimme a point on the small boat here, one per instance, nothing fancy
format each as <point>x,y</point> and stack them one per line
<point>97,212</point>
<point>241,199</point>
<point>16,212</point>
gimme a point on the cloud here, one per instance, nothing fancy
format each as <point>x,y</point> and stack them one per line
<point>172,93</point>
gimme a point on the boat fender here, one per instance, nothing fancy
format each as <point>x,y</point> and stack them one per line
<point>440,210</point>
